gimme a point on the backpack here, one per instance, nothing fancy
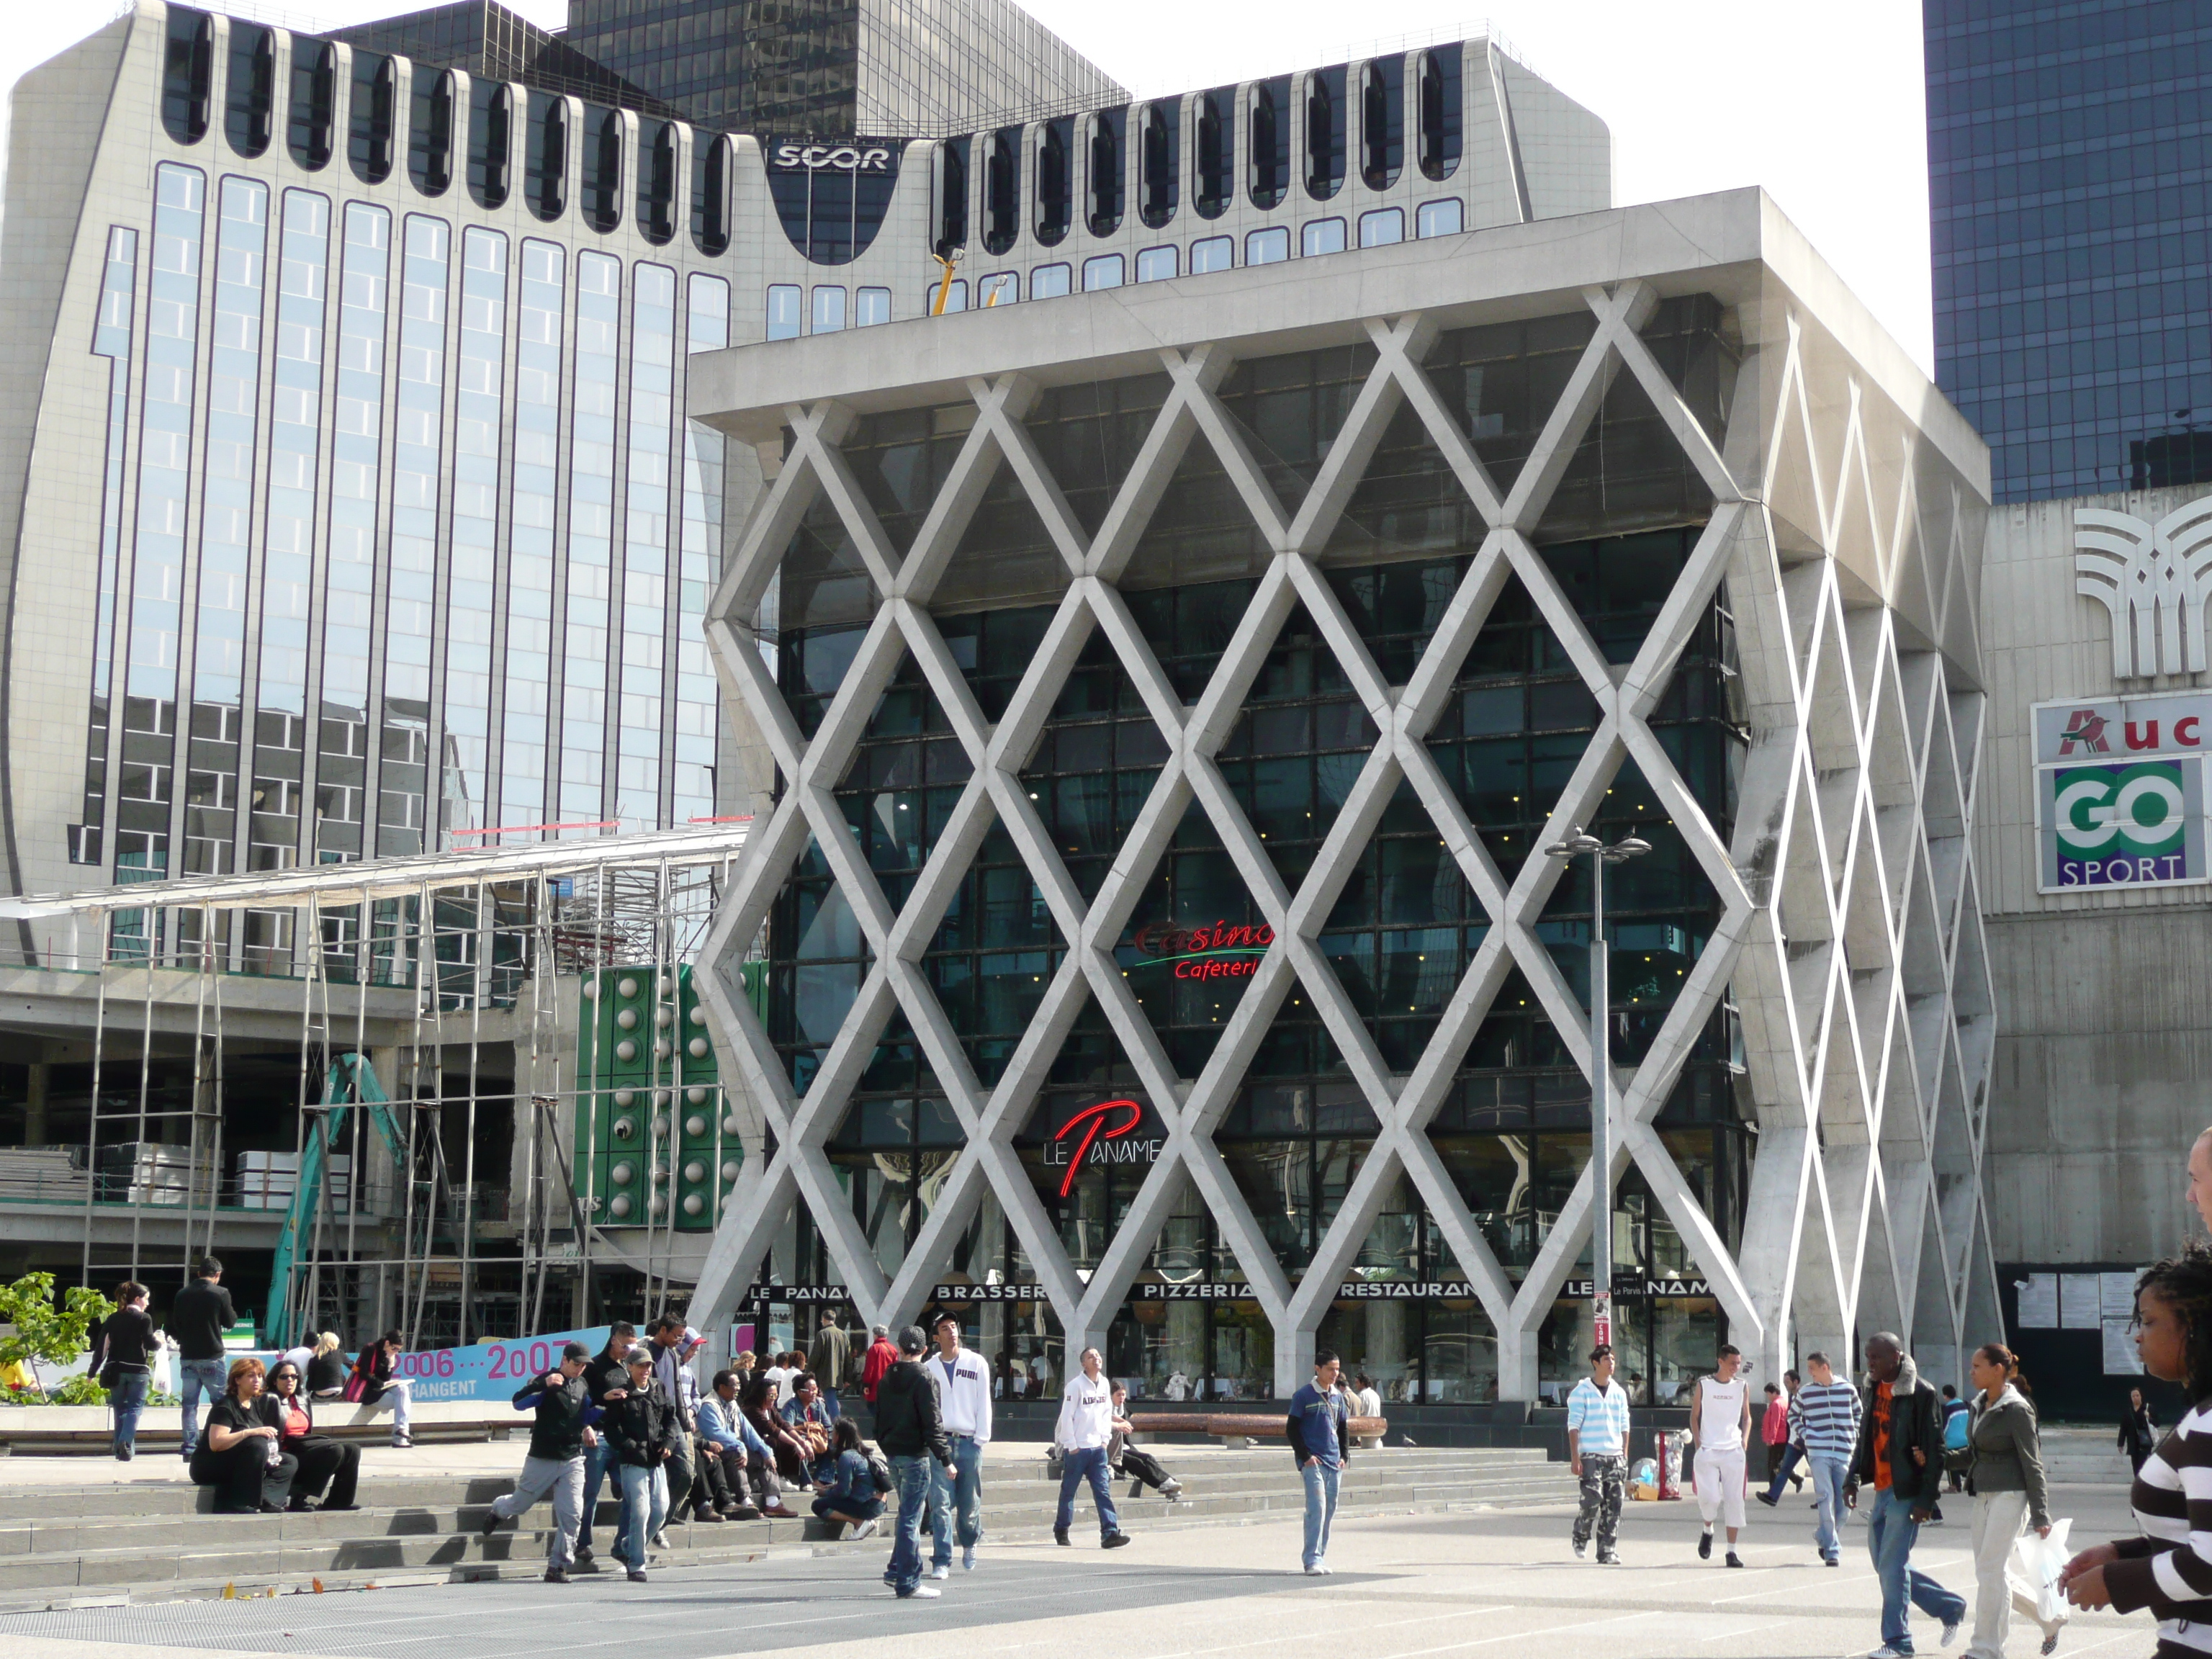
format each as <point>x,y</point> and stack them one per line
<point>1956,1429</point>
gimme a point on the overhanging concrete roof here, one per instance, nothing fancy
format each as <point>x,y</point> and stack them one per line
<point>1732,244</point>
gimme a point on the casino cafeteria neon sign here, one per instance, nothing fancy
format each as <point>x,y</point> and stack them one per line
<point>1225,950</point>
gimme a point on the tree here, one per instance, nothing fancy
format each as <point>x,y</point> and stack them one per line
<point>31,1327</point>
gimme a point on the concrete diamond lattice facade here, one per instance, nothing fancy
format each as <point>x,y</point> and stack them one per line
<point>1842,536</point>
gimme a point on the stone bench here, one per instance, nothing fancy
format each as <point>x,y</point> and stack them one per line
<point>61,1431</point>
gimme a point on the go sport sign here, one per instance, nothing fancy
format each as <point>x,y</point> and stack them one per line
<point>2120,792</point>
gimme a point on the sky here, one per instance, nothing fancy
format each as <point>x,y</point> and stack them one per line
<point>1821,104</point>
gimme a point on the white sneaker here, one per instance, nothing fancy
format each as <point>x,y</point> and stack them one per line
<point>1951,1631</point>
<point>968,1560</point>
<point>868,1528</point>
<point>941,1570</point>
<point>1885,1651</point>
<point>1316,1571</point>
<point>928,1591</point>
<point>660,1541</point>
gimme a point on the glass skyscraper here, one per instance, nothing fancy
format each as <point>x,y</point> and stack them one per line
<point>2068,173</point>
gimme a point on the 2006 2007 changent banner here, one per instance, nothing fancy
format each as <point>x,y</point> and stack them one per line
<point>483,1371</point>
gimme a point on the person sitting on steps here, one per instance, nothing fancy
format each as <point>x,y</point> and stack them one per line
<point>1141,1466</point>
<point>239,1455</point>
<point>329,1471</point>
<point>850,1498</point>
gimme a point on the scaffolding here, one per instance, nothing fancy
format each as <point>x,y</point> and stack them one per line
<point>416,968</point>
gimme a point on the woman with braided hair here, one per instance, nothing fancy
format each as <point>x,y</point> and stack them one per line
<point>2168,1568</point>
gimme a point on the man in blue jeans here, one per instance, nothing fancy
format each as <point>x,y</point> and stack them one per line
<point>1828,1411</point>
<point>605,1379</point>
<point>1084,1428</point>
<point>1319,1430</point>
<point>1900,1451</point>
<point>911,1432</point>
<point>963,1382</point>
<point>197,1319</point>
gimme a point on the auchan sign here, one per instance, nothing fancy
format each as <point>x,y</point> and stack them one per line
<point>2120,792</point>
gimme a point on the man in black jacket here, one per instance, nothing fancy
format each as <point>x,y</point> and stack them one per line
<point>607,1376</point>
<point>555,1465</point>
<point>197,1319</point>
<point>910,1431</point>
<point>1901,1451</point>
<point>643,1425</point>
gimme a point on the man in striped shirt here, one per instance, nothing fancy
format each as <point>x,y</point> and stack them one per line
<point>1829,1409</point>
<point>1598,1451</point>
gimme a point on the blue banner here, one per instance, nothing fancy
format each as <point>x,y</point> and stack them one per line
<point>486,1371</point>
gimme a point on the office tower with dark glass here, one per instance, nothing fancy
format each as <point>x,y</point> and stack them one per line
<point>2069,176</point>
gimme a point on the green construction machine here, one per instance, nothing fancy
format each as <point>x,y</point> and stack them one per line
<point>351,1086</point>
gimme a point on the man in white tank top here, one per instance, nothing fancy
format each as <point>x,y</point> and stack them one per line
<point>1720,1423</point>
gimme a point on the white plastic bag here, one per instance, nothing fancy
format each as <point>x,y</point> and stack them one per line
<point>2037,1562</point>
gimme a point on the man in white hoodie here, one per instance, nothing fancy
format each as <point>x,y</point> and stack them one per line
<point>1086,1424</point>
<point>963,1401</point>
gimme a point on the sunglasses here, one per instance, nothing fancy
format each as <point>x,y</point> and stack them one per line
<point>283,1377</point>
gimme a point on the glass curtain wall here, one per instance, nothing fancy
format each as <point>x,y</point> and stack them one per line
<point>410,602</point>
<point>357,466</point>
<point>645,545</point>
<point>112,337</point>
<point>226,533</point>
<point>542,306</point>
<point>697,700</point>
<point>155,622</point>
<point>591,537</point>
<point>1404,927</point>
<point>287,569</point>
<point>479,409</point>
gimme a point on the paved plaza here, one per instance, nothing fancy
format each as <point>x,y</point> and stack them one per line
<point>1405,1586</point>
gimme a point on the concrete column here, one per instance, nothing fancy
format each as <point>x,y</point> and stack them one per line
<point>1294,1360</point>
<point>34,1103</point>
<point>1516,1363</point>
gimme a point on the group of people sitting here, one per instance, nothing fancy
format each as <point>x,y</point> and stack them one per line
<point>260,1450</point>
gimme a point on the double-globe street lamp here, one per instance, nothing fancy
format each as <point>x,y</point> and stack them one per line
<point>1577,843</point>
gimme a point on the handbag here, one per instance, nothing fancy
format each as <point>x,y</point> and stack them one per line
<point>879,1473</point>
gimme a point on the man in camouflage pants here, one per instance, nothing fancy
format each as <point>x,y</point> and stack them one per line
<point>1598,1451</point>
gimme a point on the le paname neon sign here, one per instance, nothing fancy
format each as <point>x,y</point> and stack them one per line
<point>1100,1134</point>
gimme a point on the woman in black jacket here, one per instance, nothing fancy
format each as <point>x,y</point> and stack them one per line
<point>2138,1430</point>
<point>250,1475</point>
<point>122,1351</point>
<point>323,1461</point>
<point>327,1369</point>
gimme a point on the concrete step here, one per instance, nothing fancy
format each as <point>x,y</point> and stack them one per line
<point>47,1536</point>
<point>62,1560</point>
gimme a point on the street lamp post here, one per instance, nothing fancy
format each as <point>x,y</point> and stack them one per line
<point>1577,843</point>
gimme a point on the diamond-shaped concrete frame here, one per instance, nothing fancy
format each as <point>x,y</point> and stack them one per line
<point>1848,906</point>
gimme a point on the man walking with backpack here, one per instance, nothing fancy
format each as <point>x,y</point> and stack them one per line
<point>1901,1452</point>
<point>911,1433</point>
